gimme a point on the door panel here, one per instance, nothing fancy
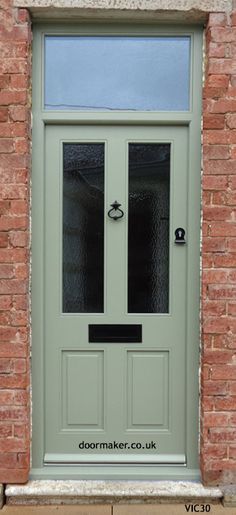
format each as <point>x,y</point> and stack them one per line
<point>102,271</point>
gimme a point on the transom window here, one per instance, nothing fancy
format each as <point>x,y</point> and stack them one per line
<point>117,73</point>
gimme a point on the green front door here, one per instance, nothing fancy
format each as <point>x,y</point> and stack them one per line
<point>115,295</point>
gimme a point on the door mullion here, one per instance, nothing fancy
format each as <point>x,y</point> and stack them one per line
<point>116,229</point>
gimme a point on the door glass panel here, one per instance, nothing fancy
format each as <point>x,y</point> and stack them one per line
<point>148,240</point>
<point>116,72</point>
<point>83,227</point>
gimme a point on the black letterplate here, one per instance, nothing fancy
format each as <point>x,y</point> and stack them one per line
<point>115,333</point>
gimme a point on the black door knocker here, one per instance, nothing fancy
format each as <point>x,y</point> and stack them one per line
<point>180,236</point>
<point>115,212</point>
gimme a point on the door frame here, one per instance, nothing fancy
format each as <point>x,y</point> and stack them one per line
<point>191,119</point>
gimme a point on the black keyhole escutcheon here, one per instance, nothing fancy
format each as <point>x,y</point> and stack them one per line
<point>180,235</point>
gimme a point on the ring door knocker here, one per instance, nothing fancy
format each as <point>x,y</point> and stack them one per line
<point>115,212</point>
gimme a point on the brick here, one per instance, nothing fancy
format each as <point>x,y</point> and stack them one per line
<point>13,161</point>
<point>12,350</point>
<point>232,182</point>
<point>13,413</point>
<point>222,167</point>
<point>213,121</point>
<point>23,16</point>
<point>232,276</point>
<point>208,261</point>
<point>216,325</point>
<point>232,308</point>
<point>18,238</point>
<point>214,245</point>
<point>215,451</point>
<point>23,460</point>
<point>216,388</point>
<point>11,178</point>
<point>216,151</point>
<point>4,81</point>
<point>5,302</point>
<point>214,182</point>
<point>212,92</point>
<point>222,435</point>
<point>20,302</point>
<point>6,271</point>
<point>12,191</point>
<point>21,396</point>
<point>221,291</point>
<point>3,239</point>
<point>207,403</point>
<point>217,19</point>
<point>233,18</point>
<point>12,445</point>
<point>11,222</point>
<point>12,65</point>
<point>216,49</point>
<point>18,113</point>
<point>223,372</point>
<point>22,146</point>
<point>19,207</point>
<point>6,146</point>
<point>222,465</point>
<point>222,34</point>
<point>231,121</point>
<point>12,255</point>
<point>21,271</point>
<point>216,419</point>
<point>3,114</point>
<point>5,430</point>
<point>232,452</point>
<point>19,81</point>
<point>217,213</point>
<point>14,381</point>
<point>20,430</point>
<point>8,459</point>
<point>227,260</point>
<point>12,286</point>
<point>212,356</point>
<point>12,97</point>
<point>4,206</point>
<point>221,66</point>
<point>221,229</point>
<point>214,308</point>
<point>218,81</point>
<point>223,106</point>
<point>215,276</point>
<point>223,341</point>
<point>13,475</point>
<point>225,404</point>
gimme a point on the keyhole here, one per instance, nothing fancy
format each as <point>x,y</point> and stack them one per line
<point>180,235</point>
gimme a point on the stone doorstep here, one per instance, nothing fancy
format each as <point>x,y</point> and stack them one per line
<point>41,492</point>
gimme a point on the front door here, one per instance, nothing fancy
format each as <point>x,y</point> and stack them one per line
<point>115,294</point>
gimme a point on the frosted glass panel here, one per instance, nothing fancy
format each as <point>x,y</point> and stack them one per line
<point>83,232</point>
<point>112,73</point>
<point>148,259</point>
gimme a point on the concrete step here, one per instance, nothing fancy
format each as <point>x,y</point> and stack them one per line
<point>141,509</point>
<point>59,492</point>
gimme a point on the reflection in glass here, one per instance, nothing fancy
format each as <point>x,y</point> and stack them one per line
<point>148,240</point>
<point>117,72</point>
<point>83,227</point>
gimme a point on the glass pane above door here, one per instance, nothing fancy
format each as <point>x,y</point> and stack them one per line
<point>83,227</point>
<point>148,230</point>
<point>117,73</point>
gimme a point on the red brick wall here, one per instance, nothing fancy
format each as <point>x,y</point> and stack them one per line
<point>15,57</point>
<point>218,385</point>
<point>218,415</point>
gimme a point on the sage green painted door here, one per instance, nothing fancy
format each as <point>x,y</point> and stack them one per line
<point>115,294</point>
